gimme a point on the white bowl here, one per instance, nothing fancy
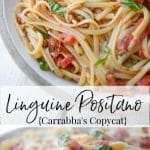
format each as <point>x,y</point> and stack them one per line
<point>18,50</point>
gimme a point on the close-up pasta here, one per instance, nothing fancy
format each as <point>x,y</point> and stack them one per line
<point>80,139</point>
<point>92,42</point>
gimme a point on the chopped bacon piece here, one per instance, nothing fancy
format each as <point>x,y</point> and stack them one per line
<point>103,142</point>
<point>123,44</point>
<point>119,1</point>
<point>121,134</point>
<point>19,21</point>
<point>141,54</point>
<point>56,49</point>
<point>67,38</point>
<point>17,147</point>
<point>111,80</point>
<point>145,81</point>
<point>142,36</point>
<point>121,82</point>
<point>138,23</point>
<point>74,145</point>
<point>54,46</point>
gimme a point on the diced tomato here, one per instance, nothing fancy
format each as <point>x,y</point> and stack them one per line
<point>67,38</point>
<point>123,44</point>
<point>145,81</point>
<point>141,54</point>
<point>74,145</point>
<point>145,143</point>
<point>66,61</point>
<point>139,1</point>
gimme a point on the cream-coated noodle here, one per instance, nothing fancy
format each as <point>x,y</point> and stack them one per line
<point>79,139</point>
<point>92,42</point>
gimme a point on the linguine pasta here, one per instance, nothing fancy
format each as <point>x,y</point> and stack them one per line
<point>78,139</point>
<point>92,42</point>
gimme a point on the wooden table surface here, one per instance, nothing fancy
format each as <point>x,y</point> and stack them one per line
<point>10,73</point>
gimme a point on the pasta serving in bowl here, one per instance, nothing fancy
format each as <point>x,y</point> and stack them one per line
<point>77,139</point>
<point>92,42</point>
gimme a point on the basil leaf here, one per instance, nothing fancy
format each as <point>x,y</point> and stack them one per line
<point>132,4</point>
<point>100,147</point>
<point>104,47</point>
<point>63,139</point>
<point>43,65</point>
<point>56,8</point>
<point>45,34</point>
<point>101,60</point>
<point>97,134</point>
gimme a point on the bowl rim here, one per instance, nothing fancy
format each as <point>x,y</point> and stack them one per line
<point>10,134</point>
<point>13,52</point>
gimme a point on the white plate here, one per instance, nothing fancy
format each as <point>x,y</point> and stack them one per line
<point>28,64</point>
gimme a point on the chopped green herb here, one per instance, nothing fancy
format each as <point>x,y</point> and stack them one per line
<point>100,147</point>
<point>104,47</point>
<point>102,60</point>
<point>56,8</point>
<point>63,139</point>
<point>43,65</point>
<point>135,6</point>
<point>45,34</point>
<point>97,134</point>
<point>106,129</point>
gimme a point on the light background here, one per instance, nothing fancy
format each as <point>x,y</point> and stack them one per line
<point>10,73</point>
